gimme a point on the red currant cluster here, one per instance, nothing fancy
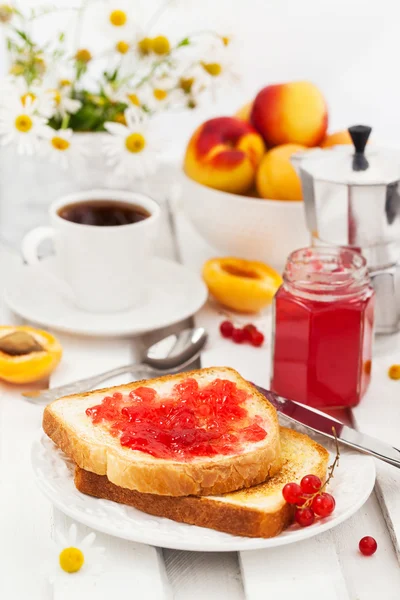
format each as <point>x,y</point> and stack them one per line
<point>249,333</point>
<point>310,501</point>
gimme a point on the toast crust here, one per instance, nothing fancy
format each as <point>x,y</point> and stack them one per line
<point>168,477</point>
<point>236,519</point>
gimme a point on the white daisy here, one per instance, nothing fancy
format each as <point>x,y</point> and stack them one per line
<point>59,146</point>
<point>192,82</point>
<point>132,148</point>
<point>75,556</point>
<point>217,65</point>
<point>20,124</point>
<point>159,94</point>
<point>18,89</point>
<point>117,20</point>
<point>64,104</point>
<point>123,94</point>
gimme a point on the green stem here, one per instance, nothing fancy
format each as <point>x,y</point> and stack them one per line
<point>65,121</point>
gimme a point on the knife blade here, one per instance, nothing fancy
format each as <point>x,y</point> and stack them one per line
<point>325,425</point>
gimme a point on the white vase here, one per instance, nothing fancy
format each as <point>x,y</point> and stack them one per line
<point>28,184</point>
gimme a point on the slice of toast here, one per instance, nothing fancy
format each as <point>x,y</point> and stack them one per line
<point>259,511</point>
<point>93,448</point>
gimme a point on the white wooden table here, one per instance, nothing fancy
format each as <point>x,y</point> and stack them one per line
<point>327,567</point>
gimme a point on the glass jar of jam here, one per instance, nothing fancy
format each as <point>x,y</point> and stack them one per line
<point>323,328</point>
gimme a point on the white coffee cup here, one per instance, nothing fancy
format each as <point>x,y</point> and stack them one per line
<point>102,269</point>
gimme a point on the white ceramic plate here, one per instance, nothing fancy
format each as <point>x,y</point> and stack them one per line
<point>351,486</point>
<point>174,293</point>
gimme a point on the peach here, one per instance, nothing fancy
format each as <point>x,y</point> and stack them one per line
<point>243,285</point>
<point>336,139</point>
<point>244,112</point>
<point>224,154</point>
<point>290,113</point>
<point>276,176</point>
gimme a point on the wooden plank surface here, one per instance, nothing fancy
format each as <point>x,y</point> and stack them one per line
<point>379,415</point>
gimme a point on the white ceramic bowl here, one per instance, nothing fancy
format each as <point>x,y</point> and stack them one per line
<point>252,228</point>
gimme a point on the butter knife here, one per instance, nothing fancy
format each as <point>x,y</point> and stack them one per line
<point>325,425</point>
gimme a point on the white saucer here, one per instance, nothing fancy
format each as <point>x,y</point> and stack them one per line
<point>174,294</point>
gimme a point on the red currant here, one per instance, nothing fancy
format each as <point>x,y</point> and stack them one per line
<point>250,327</point>
<point>323,505</point>
<point>368,545</point>
<point>303,499</point>
<point>247,334</point>
<point>238,335</point>
<point>292,492</point>
<point>226,329</point>
<point>304,517</point>
<point>257,338</point>
<point>310,484</point>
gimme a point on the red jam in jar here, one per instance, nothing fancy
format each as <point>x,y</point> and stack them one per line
<point>189,422</point>
<point>324,317</point>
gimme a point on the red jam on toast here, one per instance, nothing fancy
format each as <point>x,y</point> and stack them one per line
<point>191,422</point>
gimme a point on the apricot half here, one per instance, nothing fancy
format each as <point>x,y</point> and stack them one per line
<point>27,354</point>
<point>242,285</point>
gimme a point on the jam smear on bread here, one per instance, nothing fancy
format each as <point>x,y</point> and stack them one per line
<point>190,422</point>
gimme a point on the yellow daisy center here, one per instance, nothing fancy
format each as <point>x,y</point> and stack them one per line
<point>213,69</point>
<point>160,45</point>
<point>16,69</point>
<point>71,560</point>
<point>160,94</point>
<point>56,96</point>
<point>118,18</point>
<point>40,64</point>
<point>120,118</point>
<point>186,84</point>
<point>60,143</point>
<point>135,142</point>
<point>65,82</point>
<point>145,46</point>
<point>23,123</point>
<point>6,12</point>
<point>122,47</point>
<point>83,55</point>
<point>25,97</point>
<point>226,40</point>
<point>133,99</point>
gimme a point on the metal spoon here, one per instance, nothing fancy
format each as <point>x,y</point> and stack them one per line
<point>169,355</point>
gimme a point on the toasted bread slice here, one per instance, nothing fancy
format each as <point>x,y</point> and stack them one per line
<point>256,512</point>
<point>94,449</point>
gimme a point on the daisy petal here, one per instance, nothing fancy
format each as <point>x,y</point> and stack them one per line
<point>72,533</point>
<point>88,540</point>
<point>116,128</point>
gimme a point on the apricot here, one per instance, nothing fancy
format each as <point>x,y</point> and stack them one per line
<point>276,176</point>
<point>27,354</point>
<point>242,285</point>
<point>244,112</point>
<point>336,139</point>
<point>290,113</point>
<point>224,154</point>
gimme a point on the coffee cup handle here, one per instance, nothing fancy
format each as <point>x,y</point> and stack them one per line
<point>30,247</point>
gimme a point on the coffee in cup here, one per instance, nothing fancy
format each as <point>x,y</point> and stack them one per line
<point>103,242</point>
